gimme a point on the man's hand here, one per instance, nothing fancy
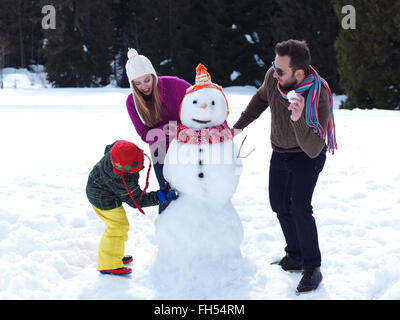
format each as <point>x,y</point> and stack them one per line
<point>235,131</point>
<point>296,107</point>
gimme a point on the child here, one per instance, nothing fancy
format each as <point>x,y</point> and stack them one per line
<point>114,180</point>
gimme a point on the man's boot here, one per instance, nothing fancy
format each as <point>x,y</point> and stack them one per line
<point>290,264</point>
<point>310,281</point>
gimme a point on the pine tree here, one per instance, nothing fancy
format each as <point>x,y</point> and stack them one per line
<point>258,32</point>
<point>369,55</point>
<point>230,52</point>
<point>35,35</point>
<point>127,17</point>
<point>174,35</point>
<point>154,37</point>
<point>231,38</point>
<point>189,36</point>
<point>241,41</point>
<point>219,60</point>
<point>4,45</point>
<point>314,21</point>
<point>78,51</point>
<point>21,31</point>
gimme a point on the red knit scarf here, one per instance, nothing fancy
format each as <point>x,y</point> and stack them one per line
<point>209,135</point>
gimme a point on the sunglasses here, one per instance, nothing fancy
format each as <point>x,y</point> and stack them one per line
<point>277,70</point>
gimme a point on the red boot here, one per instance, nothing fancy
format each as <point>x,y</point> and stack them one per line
<point>119,272</point>
<point>127,259</point>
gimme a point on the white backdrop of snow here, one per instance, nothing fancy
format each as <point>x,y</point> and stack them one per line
<point>49,234</point>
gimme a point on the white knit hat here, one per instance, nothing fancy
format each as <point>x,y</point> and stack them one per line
<point>137,66</point>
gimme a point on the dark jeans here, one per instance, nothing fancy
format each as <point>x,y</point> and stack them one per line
<point>158,165</point>
<point>292,179</point>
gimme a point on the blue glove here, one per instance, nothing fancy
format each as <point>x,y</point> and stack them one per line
<point>164,195</point>
<point>161,196</point>
<point>172,195</point>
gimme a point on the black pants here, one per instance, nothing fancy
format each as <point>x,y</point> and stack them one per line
<point>292,179</point>
<point>158,165</point>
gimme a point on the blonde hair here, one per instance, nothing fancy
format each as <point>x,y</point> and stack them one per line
<point>151,114</point>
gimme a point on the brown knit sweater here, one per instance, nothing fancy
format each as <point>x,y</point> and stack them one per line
<point>286,135</point>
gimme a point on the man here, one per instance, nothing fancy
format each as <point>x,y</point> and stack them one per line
<point>298,132</point>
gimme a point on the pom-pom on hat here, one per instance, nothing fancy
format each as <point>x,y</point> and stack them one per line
<point>126,157</point>
<point>137,66</point>
<point>203,80</point>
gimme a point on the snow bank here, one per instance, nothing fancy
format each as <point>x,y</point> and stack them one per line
<point>23,78</point>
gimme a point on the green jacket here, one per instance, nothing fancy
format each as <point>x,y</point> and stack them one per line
<point>105,190</point>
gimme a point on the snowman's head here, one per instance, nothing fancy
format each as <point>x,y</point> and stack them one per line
<point>203,108</point>
<point>204,104</point>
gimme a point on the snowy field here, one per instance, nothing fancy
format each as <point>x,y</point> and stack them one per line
<point>49,234</point>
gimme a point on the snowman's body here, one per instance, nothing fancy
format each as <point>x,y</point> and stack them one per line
<point>202,222</point>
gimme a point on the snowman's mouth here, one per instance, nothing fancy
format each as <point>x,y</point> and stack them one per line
<point>202,121</point>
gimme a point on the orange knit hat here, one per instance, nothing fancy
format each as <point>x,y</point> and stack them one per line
<point>203,80</point>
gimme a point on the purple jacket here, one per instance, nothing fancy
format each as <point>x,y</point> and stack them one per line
<point>171,90</point>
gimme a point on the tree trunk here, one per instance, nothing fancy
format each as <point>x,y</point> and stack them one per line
<point>21,38</point>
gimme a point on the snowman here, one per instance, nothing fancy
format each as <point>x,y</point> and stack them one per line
<point>202,164</point>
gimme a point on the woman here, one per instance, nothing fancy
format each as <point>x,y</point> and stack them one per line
<point>153,107</point>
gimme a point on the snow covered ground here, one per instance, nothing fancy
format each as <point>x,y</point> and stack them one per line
<point>49,234</point>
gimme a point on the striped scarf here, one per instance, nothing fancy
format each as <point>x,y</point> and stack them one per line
<point>313,83</point>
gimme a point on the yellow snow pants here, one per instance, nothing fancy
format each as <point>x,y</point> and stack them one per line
<point>112,243</point>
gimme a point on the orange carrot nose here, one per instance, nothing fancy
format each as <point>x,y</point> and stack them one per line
<point>204,106</point>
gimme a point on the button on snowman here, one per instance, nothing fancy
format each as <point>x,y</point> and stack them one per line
<point>202,164</point>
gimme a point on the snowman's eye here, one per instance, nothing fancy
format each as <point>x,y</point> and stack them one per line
<point>194,101</point>
<point>213,103</point>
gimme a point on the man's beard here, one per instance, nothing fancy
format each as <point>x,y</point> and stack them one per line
<point>290,85</point>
